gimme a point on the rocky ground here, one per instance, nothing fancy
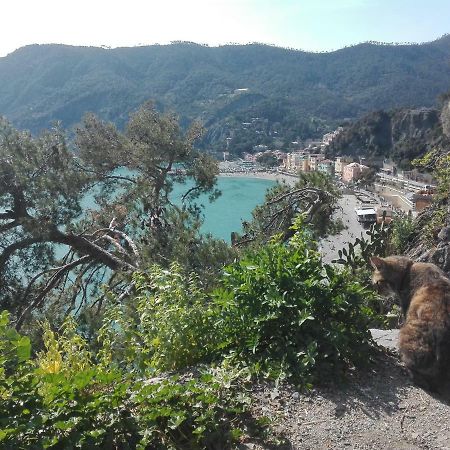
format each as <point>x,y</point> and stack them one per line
<point>377,409</point>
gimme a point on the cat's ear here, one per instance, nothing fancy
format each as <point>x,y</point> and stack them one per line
<point>377,262</point>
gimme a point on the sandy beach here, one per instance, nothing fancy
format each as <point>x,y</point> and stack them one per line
<point>274,176</point>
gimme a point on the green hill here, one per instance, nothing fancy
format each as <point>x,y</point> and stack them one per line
<point>400,134</point>
<point>295,93</point>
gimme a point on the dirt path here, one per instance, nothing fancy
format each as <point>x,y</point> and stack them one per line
<point>378,409</point>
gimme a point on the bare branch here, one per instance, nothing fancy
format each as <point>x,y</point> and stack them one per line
<point>131,244</point>
<point>103,175</point>
<point>9,226</point>
<point>302,191</point>
<point>186,194</point>
<point>7,215</point>
<point>18,245</point>
<point>86,247</point>
<point>307,200</point>
<point>51,283</point>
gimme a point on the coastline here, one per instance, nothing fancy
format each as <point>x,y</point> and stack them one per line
<point>273,176</point>
<point>329,245</point>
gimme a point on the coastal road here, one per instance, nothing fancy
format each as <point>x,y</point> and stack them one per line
<point>330,245</point>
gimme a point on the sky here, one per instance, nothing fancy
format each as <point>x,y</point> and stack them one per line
<point>312,25</point>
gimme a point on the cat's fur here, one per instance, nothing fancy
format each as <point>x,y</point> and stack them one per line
<point>424,339</point>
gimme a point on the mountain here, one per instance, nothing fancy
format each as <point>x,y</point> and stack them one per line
<point>293,93</point>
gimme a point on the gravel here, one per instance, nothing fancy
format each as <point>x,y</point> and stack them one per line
<point>377,408</point>
<point>330,245</point>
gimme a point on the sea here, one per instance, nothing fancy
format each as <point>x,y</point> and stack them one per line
<point>240,195</point>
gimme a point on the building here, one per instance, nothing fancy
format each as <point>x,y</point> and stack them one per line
<point>249,157</point>
<point>389,168</point>
<point>422,200</point>
<point>304,164</point>
<point>296,162</point>
<point>340,163</point>
<point>326,166</point>
<point>327,139</point>
<point>353,171</point>
<point>314,160</point>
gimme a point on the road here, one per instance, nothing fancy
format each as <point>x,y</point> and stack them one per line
<point>330,246</point>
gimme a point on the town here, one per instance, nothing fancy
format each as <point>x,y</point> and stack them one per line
<point>381,187</point>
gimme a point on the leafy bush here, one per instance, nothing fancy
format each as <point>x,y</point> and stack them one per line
<point>57,402</point>
<point>280,312</point>
<point>358,254</point>
<point>356,257</point>
<point>402,230</point>
<point>168,325</point>
<point>286,313</point>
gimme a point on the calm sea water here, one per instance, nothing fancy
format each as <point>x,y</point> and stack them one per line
<point>239,197</point>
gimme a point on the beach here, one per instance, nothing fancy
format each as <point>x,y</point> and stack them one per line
<point>273,176</point>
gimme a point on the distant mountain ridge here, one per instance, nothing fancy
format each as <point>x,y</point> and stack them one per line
<point>43,83</point>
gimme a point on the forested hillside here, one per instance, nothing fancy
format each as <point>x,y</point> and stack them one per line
<point>401,134</point>
<point>294,93</point>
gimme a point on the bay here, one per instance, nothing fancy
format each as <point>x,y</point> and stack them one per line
<point>240,195</point>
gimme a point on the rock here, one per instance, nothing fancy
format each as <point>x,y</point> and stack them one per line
<point>444,234</point>
<point>386,338</point>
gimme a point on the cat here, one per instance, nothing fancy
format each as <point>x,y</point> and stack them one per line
<point>424,339</point>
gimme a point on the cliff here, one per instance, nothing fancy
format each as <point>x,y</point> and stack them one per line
<point>430,241</point>
<point>401,134</point>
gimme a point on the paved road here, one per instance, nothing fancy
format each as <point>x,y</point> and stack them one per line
<point>330,246</point>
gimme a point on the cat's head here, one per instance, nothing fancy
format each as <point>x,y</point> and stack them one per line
<point>390,273</point>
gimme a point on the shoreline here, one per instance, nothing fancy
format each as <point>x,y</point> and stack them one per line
<point>328,246</point>
<point>280,177</point>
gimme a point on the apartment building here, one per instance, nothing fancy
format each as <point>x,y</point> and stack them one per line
<point>340,163</point>
<point>353,171</point>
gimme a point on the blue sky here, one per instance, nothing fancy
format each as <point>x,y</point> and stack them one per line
<point>313,25</point>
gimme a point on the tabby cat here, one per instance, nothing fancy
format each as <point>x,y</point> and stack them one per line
<point>424,339</point>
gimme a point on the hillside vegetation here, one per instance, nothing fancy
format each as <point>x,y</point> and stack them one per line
<point>142,383</point>
<point>401,134</point>
<point>295,93</point>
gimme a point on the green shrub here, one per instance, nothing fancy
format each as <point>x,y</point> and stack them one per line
<point>357,255</point>
<point>286,313</point>
<point>280,312</point>
<point>402,230</point>
<point>168,325</point>
<point>60,403</point>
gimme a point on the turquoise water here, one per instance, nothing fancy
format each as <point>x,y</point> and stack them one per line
<point>239,197</point>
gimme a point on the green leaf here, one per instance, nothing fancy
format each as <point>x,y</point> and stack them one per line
<point>24,348</point>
